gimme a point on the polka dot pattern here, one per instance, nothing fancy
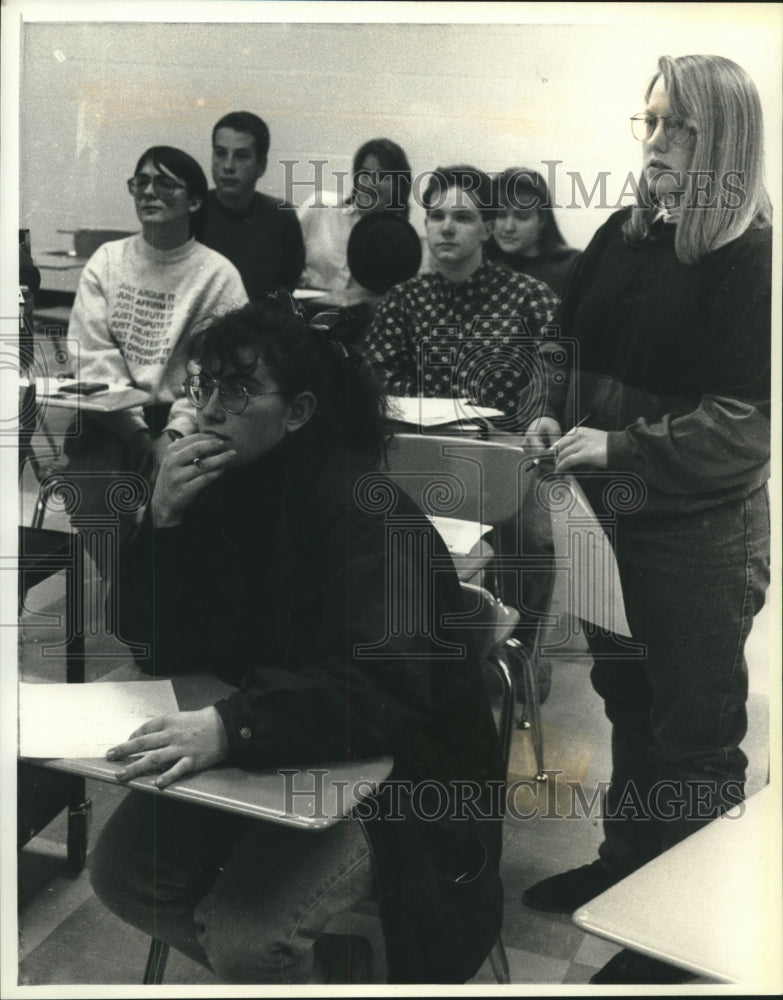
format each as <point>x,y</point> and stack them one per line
<point>476,338</point>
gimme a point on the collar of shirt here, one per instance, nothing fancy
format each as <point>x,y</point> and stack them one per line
<point>664,215</point>
<point>482,276</point>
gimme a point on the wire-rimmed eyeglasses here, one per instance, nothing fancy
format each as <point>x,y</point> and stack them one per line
<point>164,187</point>
<point>676,130</point>
<point>234,394</point>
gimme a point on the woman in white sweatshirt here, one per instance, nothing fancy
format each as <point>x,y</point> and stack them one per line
<point>138,304</point>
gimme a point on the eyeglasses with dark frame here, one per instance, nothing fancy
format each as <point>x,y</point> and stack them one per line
<point>164,187</point>
<point>676,130</point>
<point>234,395</point>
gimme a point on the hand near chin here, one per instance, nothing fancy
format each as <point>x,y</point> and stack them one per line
<point>171,746</point>
<point>188,465</point>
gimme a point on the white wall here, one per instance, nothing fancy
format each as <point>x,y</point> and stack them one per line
<point>95,95</point>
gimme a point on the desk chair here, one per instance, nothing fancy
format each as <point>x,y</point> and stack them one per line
<point>481,481</point>
<point>41,554</point>
<point>42,794</point>
<point>36,361</point>
<point>492,624</point>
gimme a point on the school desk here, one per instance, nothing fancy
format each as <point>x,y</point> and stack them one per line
<point>711,904</point>
<point>312,798</point>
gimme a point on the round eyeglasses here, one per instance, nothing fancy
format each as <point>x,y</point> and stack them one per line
<point>164,187</point>
<point>676,130</point>
<point>233,394</point>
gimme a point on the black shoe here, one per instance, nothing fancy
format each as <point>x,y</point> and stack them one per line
<point>344,958</point>
<point>567,892</point>
<point>633,967</point>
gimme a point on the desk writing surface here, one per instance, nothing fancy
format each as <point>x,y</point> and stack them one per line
<point>313,798</point>
<point>711,904</point>
<point>60,271</point>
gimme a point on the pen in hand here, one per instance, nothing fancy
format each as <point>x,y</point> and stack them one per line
<point>551,453</point>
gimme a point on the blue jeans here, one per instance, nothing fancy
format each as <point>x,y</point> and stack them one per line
<point>245,898</point>
<point>677,703</point>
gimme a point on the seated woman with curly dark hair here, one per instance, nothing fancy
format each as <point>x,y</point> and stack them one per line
<point>273,569</point>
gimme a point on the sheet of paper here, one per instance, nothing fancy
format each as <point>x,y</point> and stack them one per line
<point>423,412</point>
<point>460,536</point>
<point>587,581</point>
<point>116,397</point>
<point>85,720</point>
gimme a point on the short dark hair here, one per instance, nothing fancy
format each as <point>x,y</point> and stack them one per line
<point>471,180</point>
<point>246,121</point>
<point>186,169</point>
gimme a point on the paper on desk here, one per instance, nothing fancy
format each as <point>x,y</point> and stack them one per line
<point>85,720</point>
<point>587,581</point>
<point>116,397</point>
<point>436,412</point>
<point>460,536</point>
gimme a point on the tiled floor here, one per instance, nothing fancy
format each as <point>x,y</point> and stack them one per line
<point>66,937</point>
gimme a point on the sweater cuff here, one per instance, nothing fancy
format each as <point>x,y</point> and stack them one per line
<point>241,725</point>
<point>182,424</point>
<point>622,454</point>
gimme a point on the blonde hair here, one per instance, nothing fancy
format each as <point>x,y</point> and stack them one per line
<point>722,101</point>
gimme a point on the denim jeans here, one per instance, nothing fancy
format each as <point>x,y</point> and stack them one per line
<point>676,695</point>
<point>245,898</point>
<point>526,544</point>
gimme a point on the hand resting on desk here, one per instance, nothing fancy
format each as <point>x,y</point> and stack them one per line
<point>189,741</point>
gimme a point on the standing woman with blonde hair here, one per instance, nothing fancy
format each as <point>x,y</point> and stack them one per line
<point>668,400</point>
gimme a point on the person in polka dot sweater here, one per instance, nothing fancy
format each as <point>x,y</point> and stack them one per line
<point>468,327</point>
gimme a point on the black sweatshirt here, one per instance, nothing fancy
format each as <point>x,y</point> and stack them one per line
<point>672,360</point>
<point>276,579</point>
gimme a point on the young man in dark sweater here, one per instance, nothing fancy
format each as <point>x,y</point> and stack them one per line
<point>259,234</point>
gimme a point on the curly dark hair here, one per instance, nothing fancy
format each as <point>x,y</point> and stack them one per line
<point>303,358</point>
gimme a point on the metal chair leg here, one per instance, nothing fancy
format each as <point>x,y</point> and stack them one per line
<point>156,963</point>
<point>499,963</point>
<point>499,666</point>
<point>46,488</point>
<point>532,702</point>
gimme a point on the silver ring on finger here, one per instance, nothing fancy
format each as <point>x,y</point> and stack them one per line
<point>199,464</point>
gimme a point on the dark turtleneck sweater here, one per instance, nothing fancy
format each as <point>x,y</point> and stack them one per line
<point>552,268</point>
<point>278,580</point>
